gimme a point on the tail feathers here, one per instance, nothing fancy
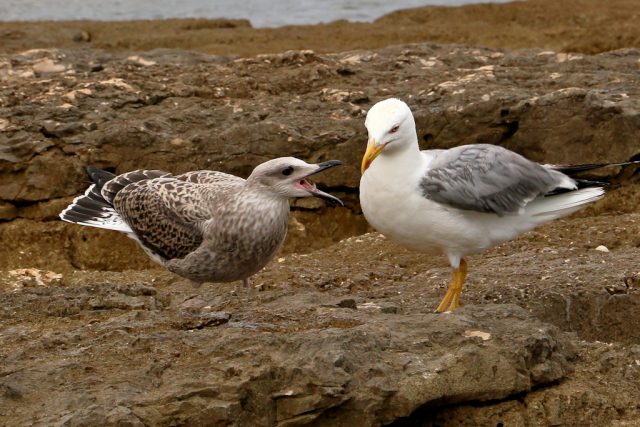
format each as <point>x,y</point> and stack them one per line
<point>558,205</point>
<point>91,211</point>
<point>95,207</point>
<point>577,184</point>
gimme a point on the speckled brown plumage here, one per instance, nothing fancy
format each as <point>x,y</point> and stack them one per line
<point>206,226</point>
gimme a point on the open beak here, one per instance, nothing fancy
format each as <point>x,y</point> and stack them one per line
<point>373,150</point>
<point>311,187</point>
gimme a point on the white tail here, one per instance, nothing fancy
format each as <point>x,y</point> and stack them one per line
<point>86,210</point>
<point>563,204</point>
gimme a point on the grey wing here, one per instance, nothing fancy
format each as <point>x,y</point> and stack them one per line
<point>210,177</point>
<point>167,215</point>
<point>488,178</point>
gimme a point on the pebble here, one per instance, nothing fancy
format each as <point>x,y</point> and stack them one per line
<point>480,334</point>
<point>348,303</point>
<point>388,308</point>
<point>48,66</point>
<point>138,60</point>
<point>81,36</point>
<point>71,96</point>
<point>602,248</point>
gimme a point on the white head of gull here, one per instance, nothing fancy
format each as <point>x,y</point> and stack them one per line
<point>459,201</point>
<point>206,226</point>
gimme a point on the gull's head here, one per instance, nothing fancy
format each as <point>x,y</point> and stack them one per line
<point>391,127</point>
<point>289,177</point>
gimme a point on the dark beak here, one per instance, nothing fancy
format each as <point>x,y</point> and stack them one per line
<point>326,165</point>
<point>321,194</point>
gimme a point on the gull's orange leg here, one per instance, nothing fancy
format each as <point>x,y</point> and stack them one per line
<point>451,300</point>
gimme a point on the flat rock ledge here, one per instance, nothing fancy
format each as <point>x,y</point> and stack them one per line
<point>331,364</point>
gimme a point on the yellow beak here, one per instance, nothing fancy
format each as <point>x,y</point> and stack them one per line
<point>372,152</point>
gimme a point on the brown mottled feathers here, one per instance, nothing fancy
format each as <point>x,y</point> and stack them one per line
<point>163,210</point>
<point>209,177</point>
<point>113,187</point>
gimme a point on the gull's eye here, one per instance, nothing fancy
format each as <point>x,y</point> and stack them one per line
<point>394,129</point>
<point>287,171</point>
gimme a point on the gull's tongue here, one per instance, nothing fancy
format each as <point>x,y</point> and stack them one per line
<point>313,190</point>
<point>307,185</point>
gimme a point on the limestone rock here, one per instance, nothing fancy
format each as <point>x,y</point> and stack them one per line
<point>581,110</point>
<point>370,368</point>
<point>195,111</point>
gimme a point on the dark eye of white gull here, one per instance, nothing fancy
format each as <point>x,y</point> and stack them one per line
<point>287,171</point>
<point>394,129</point>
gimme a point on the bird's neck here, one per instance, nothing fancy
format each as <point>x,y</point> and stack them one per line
<point>263,194</point>
<point>399,161</point>
<point>273,209</point>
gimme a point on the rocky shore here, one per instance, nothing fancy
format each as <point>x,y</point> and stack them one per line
<point>340,329</point>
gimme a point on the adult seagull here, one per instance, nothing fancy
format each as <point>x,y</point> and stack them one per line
<point>461,200</point>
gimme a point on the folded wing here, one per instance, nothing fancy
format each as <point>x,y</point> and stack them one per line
<point>488,178</point>
<point>166,214</point>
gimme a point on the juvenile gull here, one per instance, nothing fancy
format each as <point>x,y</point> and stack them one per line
<point>205,226</point>
<point>461,200</point>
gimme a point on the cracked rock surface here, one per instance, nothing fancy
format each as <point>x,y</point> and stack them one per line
<point>179,111</point>
<point>342,336</point>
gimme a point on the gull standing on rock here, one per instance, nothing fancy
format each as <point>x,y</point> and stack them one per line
<point>205,226</point>
<point>461,200</point>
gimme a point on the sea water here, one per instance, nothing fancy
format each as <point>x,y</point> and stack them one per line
<point>261,13</point>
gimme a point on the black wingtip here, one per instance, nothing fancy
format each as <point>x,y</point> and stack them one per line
<point>99,176</point>
<point>576,169</point>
